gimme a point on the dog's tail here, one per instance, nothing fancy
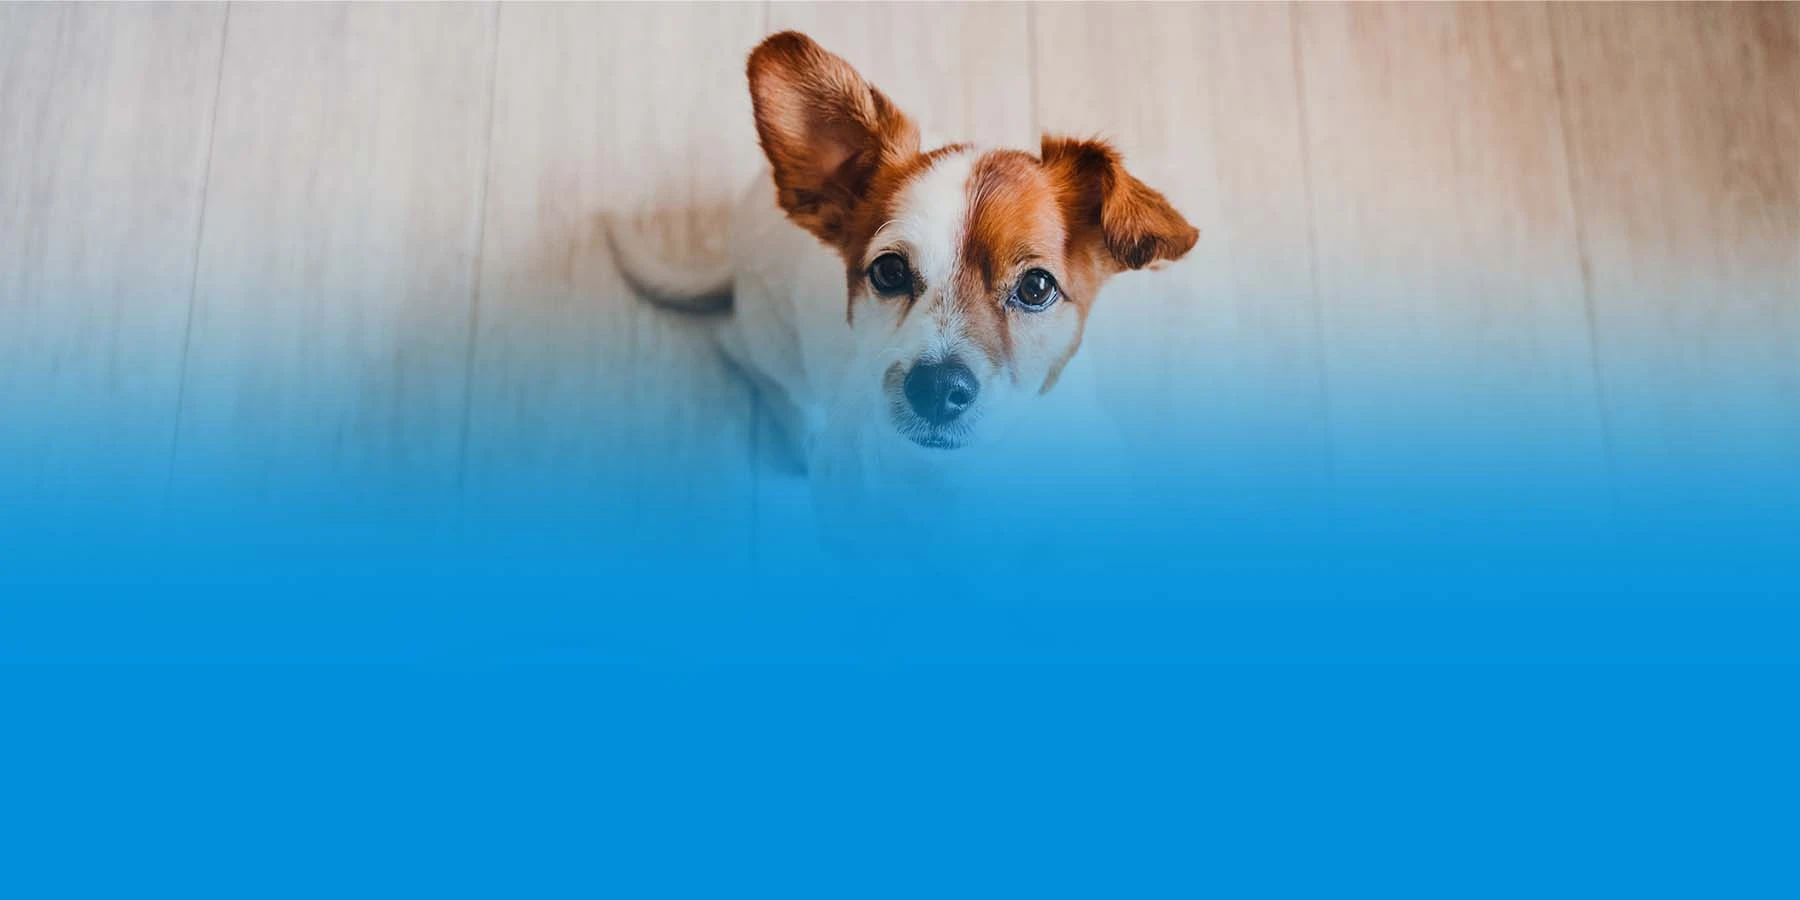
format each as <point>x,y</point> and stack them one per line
<point>704,290</point>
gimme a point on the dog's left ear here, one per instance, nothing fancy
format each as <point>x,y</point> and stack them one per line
<point>1135,224</point>
<point>825,130</point>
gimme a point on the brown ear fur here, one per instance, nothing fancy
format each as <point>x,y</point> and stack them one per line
<point>824,130</point>
<point>1136,224</point>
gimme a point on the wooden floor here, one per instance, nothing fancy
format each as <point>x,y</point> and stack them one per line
<point>243,240</point>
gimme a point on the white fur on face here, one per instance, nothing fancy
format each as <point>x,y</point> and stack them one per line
<point>892,334</point>
<point>929,228</point>
<point>930,217</point>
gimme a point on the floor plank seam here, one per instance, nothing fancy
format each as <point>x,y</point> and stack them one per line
<point>187,329</point>
<point>1583,260</point>
<point>475,276</point>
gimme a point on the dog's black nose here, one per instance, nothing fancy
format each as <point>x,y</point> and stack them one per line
<point>939,392</point>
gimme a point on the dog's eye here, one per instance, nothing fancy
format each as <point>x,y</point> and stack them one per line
<point>890,274</point>
<point>1036,291</point>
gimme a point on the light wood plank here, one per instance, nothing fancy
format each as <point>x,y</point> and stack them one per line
<point>1213,364</point>
<point>326,365</point>
<point>1684,124</point>
<point>587,403</point>
<point>1457,347</point>
<point>105,117</point>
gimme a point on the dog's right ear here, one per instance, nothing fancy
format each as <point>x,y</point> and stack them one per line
<point>825,130</point>
<point>1136,225</point>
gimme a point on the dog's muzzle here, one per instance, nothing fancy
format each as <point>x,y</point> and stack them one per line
<point>932,403</point>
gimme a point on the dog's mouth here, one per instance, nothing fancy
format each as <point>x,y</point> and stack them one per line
<point>948,436</point>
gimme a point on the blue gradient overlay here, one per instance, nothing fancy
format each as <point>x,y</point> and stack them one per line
<point>1437,535</point>
<point>1461,538</point>
<point>868,781</point>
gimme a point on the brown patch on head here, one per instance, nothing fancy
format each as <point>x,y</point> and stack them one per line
<point>1013,217</point>
<point>1078,214</point>
<point>1014,224</point>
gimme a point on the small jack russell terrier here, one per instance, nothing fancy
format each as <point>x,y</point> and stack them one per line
<point>921,324</point>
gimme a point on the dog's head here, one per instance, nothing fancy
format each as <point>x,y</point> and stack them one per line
<point>970,273</point>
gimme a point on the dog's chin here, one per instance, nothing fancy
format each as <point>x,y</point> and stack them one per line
<point>934,439</point>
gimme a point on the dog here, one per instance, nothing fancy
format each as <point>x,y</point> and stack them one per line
<point>912,313</point>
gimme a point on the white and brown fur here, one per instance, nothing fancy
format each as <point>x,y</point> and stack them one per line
<point>830,354</point>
